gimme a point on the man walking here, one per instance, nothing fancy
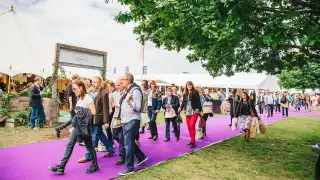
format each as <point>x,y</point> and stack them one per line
<point>261,102</point>
<point>71,102</point>
<point>270,103</point>
<point>36,103</point>
<point>130,109</point>
<point>101,101</point>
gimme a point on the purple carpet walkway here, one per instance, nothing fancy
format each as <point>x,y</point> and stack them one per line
<point>30,162</point>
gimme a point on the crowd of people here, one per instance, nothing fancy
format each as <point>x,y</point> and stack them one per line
<point>103,112</point>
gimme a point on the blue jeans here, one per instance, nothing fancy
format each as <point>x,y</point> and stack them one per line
<point>130,131</point>
<point>284,111</point>
<point>270,110</point>
<point>174,124</point>
<point>153,124</point>
<point>118,136</point>
<point>96,136</point>
<point>39,112</point>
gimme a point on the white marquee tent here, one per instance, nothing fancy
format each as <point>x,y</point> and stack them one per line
<point>239,80</point>
<point>23,49</point>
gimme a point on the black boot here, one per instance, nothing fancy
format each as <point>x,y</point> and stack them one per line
<point>58,169</point>
<point>58,132</point>
<point>93,168</point>
<point>142,130</point>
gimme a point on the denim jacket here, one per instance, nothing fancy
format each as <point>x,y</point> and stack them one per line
<point>156,100</point>
<point>175,103</point>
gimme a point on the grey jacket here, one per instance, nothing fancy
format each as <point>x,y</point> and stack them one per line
<point>82,123</point>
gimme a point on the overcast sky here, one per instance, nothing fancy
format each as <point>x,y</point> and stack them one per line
<point>90,24</point>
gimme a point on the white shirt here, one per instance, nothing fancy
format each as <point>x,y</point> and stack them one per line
<point>150,99</point>
<point>85,101</point>
<point>269,99</point>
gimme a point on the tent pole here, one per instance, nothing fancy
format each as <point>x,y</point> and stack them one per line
<point>9,84</point>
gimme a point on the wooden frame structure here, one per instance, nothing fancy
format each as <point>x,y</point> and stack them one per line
<point>59,47</point>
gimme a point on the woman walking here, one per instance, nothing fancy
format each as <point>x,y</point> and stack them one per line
<point>170,105</point>
<point>245,113</point>
<point>192,106</point>
<point>82,129</point>
<point>203,99</point>
<point>154,106</point>
<point>234,100</point>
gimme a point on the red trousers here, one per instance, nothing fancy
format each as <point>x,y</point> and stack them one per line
<point>191,122</point>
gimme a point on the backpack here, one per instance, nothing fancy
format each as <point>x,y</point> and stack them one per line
<point>143,108</point>
<point>283,99</point>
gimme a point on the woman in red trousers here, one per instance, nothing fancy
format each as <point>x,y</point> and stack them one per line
<point>192,106</point>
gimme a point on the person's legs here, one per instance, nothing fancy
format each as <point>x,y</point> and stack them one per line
<point>41,116</point>
<point>287,110</point>
<point>271,108</point>
<point>105,141</point>
<point>205,118</point>
<point>153,125</point>
<point>129,131</point>
<point>137,151</point>
<point>90,148</point>
<point>33,117</point>
<point>188,120</point>
<point>261,108</point>
<point>193,121</point>
<point>110,137</point>
<point>175,128</point>
<point>72,141</point>
<point>283,111</point>
<point>129,144</point>
<point>167,128</point>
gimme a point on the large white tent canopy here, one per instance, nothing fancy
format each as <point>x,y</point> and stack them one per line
<point>239,80</point>
<point>25,50</point>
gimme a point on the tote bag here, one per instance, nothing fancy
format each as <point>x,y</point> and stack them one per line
<point>207,107</point>
<point>234,124</point>
<point>170,113</point>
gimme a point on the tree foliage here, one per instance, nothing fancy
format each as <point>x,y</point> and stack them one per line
<point>231,35</point>
<point>306,78</point>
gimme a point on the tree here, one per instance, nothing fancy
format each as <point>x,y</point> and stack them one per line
<point>306,78</point>
<point>231,35</point>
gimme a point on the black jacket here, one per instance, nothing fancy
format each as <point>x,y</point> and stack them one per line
<point>250,107</point>
<point>35,97</point>
<point>82,123</point>
<point>195,101</point>
<point>174,103</point>
<point>234,101</point>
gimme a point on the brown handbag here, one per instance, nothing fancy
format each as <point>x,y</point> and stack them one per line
<point>202,122</point>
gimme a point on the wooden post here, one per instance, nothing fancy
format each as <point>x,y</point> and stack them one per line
<point>104,71</point>
<point>55,73</point>
<point>9,84</point>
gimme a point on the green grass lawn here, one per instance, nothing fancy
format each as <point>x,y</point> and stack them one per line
<point>283,154</point>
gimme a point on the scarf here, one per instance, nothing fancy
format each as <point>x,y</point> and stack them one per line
<point>124,96</point>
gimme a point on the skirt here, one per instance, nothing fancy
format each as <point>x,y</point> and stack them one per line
<point>246,122</point>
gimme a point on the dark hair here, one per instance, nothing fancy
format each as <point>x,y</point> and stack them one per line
<point>146,82</point>
<point>111,83</point>
<point>247,96</point>
<point>186,89</point>
<point>81,84</point>
<point>37,78</point>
